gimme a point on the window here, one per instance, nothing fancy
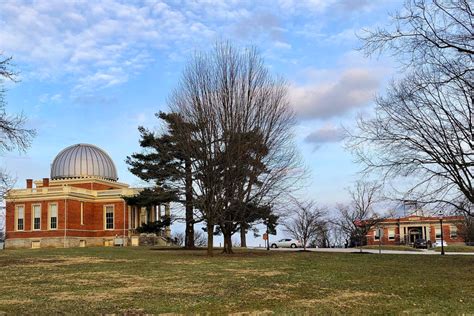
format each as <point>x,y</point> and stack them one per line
<point>20,217</point>
<point>391,234</point>
<point>53,216</point>
<point>377,234</point>
<point>438,233</point>
<point>37,217</point>
<point>453,232</point>
<point>109,217</point>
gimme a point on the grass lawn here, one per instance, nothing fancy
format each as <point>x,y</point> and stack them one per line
<point>456,248</point>
<point>141,280</point>
<point>391,247</point>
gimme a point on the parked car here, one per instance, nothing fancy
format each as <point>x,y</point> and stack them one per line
<point>421,243</point>
<point>287,243</point>
<point>438,243</point>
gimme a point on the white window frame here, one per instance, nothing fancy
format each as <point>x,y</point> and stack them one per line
<point>33,216</point>
<point>453,229</point>
<point>391,234</point>
<point>17,217</point>
<point>113,216</point>
<point>438,236</point>
<point>49,216</point>
<point>376,234</point>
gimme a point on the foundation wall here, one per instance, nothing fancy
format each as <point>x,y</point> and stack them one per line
<point>60,242</point>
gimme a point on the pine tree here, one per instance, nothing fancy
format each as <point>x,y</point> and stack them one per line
<point>165,164</point>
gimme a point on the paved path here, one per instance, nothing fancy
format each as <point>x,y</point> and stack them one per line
<point>352,250</point>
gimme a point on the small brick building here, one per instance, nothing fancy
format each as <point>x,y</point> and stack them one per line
<point>80,205</point>
<point>405,230</point>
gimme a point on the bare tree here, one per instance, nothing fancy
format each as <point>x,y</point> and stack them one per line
<point>305,222</point>
<point>356,219</point>
<point>240,137</point>
<point>13,135</point>
<point>423,129</point>
<point>200,239</point>
<point>322,239</point>
<point>178,239</point>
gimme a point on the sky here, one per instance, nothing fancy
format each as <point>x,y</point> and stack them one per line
<point>93,71</point>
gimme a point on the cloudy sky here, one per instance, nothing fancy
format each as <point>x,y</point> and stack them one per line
<point>92,71</point>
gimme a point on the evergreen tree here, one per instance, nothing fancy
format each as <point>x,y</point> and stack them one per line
<point>164,162</point>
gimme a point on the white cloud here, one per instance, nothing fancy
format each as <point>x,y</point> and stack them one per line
<point>328,133</point>
<point>102,43</point>
<point>325,98</point>
<point>282,45</point>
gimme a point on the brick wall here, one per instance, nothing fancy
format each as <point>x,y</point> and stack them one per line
<point>93,219</point>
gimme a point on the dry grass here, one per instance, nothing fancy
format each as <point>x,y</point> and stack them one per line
<point>140,281</point>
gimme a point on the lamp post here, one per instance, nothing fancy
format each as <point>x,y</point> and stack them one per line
<point>441,227</point>
<point>268,238</point>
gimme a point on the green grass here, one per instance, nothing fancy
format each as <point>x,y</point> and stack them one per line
<point>391,247</point>
<point>141,280</point>
<point>456,248</point>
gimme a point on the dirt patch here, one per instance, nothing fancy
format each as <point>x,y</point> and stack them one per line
<point>15,302</point>
<point>269,294</point>
<point>253,272</point>
<point>341,299</point>
<point>186,288</point>
<point>59,261</point>
<point>252,313</point>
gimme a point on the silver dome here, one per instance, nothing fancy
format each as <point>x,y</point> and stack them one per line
<point>83,161</point>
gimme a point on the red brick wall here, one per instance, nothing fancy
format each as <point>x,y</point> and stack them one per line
<point>385,240</point>
<point>93,219</point>
<point>28,232</point>
<point>446,235</point>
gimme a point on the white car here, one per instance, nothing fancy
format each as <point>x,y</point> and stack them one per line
<point>287,243</point>
<point>438,243</point>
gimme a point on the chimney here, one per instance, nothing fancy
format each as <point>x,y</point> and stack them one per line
<point>45,182</point>
<point>29,183</point>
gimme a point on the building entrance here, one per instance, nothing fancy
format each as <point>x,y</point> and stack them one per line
<point>414,233</point>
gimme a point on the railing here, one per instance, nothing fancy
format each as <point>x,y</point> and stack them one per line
<point>68,190</point>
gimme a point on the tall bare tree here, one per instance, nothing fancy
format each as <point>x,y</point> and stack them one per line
<point>305,222</point>
<point>423,128</point>
<point>241,135</point>
<point>13,134</point>
<point>358,217</point>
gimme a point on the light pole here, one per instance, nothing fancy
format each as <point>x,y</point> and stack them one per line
<point>268,238</point>
<point>441,227</point>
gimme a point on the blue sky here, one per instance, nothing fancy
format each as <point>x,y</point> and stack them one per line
<point>92,71</point>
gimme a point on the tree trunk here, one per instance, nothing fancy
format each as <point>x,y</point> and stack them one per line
<point>243,237</point>
<point>227,243</point>
<point>189,238</point>
<point>210,240</point>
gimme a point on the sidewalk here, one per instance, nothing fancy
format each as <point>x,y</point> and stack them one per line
<point>375,251</point>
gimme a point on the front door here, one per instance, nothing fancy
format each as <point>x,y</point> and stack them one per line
<point>414,233</point>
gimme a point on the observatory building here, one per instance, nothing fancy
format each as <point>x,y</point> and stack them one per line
<point>81,204</point>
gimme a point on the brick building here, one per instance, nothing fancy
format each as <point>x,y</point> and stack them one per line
<point>81,204</point>
<point>405,230</point>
